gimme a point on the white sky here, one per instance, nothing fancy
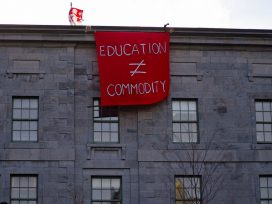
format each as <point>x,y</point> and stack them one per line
<point>255,14</point>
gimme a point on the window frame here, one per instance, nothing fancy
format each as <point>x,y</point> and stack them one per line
<point>25,120</point>
<point>263,123</point>
<point>191,201</point>
<point>266,187</point>
<point>104,200</point>
<point>106,121</point>
<point>180,122</point>
<point>20,176</point>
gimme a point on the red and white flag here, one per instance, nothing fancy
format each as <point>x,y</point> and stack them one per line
<point>75,16</point>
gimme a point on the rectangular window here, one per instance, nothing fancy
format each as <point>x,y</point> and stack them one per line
<point>106,123</point>
<point>185,121</point>
<point>263,121</point>
<point>188,190</point>
<point>24,189</point>
<point>25,119</point>
<point>106,190</point>
<point>266,189</point>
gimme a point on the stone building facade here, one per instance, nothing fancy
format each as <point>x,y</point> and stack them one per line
<point>54,148</point>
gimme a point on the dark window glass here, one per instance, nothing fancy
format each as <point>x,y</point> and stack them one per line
<point>25,119</point>
<point>105,123</point>
<point>263,121</point>
<point>24,189</point>
<point>106,190</point>
<point>185,121</point>
<point>188,190</point>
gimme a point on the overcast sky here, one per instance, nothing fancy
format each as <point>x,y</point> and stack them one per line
<point>255,14</point>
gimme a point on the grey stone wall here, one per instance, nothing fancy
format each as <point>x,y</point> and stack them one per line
<point>225,75</point>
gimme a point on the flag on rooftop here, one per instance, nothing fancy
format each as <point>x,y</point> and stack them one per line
<point>75,16</point>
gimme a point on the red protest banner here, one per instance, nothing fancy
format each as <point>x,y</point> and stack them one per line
<point>133,67</point>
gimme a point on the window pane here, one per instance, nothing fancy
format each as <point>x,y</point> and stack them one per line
<point>96,113</point>
<point>105,137</point>
<point>267,136</point>
<point>16,125</point>
<point>266,106</point>
<point>184,127</point>
<point>176,137</point>
<point>97,127</point>
<point>32,182</point>
<point>260,136</point>
<point>33,114</point>
<point>115,195</point>
<point>264,193</point>
<point>193,137</point>
<point>192,105</point>
<point>17,113</point>
<point>24,135</point>
<point>185,137</point>
<point>184,116</point>
<point>97,137</point>
<point>96,194</point>
<point>114,127</point>
<point>192,116</point>
<point>23,193</point>
<point>175,105</point>
<point>176,116</point>
<point>267,116</point>
<point>33,136</point>
<point>269,182</point>
<point>15,182</point>
<point>106,183</point>
<point>114,137</point>
<point>96,183</point>
<point>267,127</point>
<point>17,103</point>
<point>115,183</point>
<point>33,125</point>
<point>259,116</point>
<point>25,125</point>
<point>259,127</point>
<point>106,127</point>
<point>184,105</point>
<point>192,127</point>
<point>25,114</point>
<point>24,182</point>
<point>34,104</point>
<point>258,106</point>
<point>32,193</point>
<point>15,193</point>
<point>106,194</point>
<point>16,135</point>
<point>176,127</point>
<point>263,182</point>
<point>25,103</point>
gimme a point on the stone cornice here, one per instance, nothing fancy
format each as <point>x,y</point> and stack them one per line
<point>83,34</point>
